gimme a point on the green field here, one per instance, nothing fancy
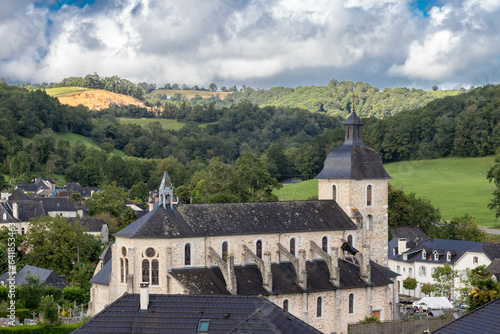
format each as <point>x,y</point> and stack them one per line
<point>166,124</point>
<point>65,91</point>
<point>454,185</point>
<point>73,138</point>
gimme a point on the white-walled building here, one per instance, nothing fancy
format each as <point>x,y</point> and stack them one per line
<point>418,256</point>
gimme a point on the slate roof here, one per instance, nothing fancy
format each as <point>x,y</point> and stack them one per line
<point>91,224</point>
<point>208,281</point>
<point>353,160</point>
<point>84,191</point>
<point>413,235</point>
<point>107,253</point>
<point>103,275</point>
<point>457,249</point>
<point>182,313</point>
<point>46,276</point>
<point>30,209</point>
<point>18,195</point>
<point>59,204</point>
<point>483,320</point>
<point>8,214</point>
<point>186,220</point>
<point>492,251</point>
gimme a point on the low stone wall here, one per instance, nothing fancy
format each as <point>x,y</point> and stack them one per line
<point>419,326</point>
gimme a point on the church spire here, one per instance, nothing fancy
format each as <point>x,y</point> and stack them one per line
<point>166,190</point>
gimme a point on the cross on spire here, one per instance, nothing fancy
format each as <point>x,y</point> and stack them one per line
<point>353,99</point>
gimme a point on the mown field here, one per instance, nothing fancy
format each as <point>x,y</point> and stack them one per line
<point>454,185</point>
<point>73,138</point>
<point>65,91</point>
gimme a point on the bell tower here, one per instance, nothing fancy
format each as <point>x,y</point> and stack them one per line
<point>354,177</point>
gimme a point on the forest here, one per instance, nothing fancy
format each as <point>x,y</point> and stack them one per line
<point>288,142</point>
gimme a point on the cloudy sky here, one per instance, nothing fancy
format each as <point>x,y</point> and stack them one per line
<point>258,43</point>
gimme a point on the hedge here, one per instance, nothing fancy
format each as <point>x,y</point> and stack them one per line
<point>63,329</point>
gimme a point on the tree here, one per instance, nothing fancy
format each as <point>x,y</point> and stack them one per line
<point>435,88</point>
<point>494,176</point>
<point>212,87</point>
<point>57,245</point>
<point>139,191</point>
<point>462,228</point>
<point>444,278</point>
<point>109,199</point>
<point>410,283</point>
<point>50,311</point>
<point>31,292</point>
<point>484,288</point>
<point>427,288</point>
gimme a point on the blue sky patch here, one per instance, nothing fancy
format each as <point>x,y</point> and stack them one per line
<point>56,5</point>
<point>423,6</point>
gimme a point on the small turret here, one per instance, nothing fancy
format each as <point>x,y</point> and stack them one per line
<point>166,191</point>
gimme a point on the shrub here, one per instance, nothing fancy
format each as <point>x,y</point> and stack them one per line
<point>73,293</point>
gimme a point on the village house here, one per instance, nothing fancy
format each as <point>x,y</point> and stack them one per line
<point>324,261</point>
<point>413,254</point>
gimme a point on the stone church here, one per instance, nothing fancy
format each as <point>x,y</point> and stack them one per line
<point>324,261</point>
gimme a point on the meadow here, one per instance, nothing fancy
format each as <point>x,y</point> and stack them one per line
<point>65,91</point>
<point>454,185</point>
<point>87,142</point>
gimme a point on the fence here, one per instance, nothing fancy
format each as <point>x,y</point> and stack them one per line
<point>418,326</point>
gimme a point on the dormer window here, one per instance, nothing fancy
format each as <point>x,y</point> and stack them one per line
<point>436,256</point>
<point>448,256</point>
<point>394,251</point>
<point>405,257</point>
<point>424,254</point>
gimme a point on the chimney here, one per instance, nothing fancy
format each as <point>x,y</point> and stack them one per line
<point>144,291</point>
<point>15,210</point>
<point>335,274</point>
<point>302,274</point>
<point>267,276</point>
<point>130,283</point>
<point>402,246</point>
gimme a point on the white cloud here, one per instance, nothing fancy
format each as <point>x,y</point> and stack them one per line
<point>238,41</point>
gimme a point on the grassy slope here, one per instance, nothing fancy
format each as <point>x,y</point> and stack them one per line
<point>454,185</point>
<point>65,91</point>
<point>166,124</point>
<point>73,138</point>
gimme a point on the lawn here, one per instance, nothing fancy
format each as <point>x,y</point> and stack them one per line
<point>65,91</point>
<point>454,185</point>
<point>73,138</point>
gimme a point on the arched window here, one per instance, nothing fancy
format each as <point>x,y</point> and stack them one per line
<point>350,240</point>
<point>369,195</point>
<point>324,244</point>
<point>369,222</point>
<point>126,269</point>
<point>348,132</point>
<point>225,250</point>
<point>4,216</point>
<point>292,246</point>
<point>351,303</point>
<point>258,249</point>
<point>357,132</point>
<point>122,270</point>
<point>285,305</point>
<point>334,192</point>
<point>154,272</point>
<point>319,307</point>
<point>145,271</point>
<point>187,254</point>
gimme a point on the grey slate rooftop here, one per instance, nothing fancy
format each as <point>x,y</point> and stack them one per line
<point>186,220</point>
<point>353,160</point>
<point>182,313</point>
<point>91,224</point>
<point>457,249</point>
<point>208,281</point>
<point>483,320</point>
<point>46,276</point>
<point>102,277</point>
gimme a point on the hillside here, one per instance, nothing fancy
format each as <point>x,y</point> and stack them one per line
<point>453,185</point>
<point>336,98</point>
<point>94,99</point>
<point>189,94</point>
